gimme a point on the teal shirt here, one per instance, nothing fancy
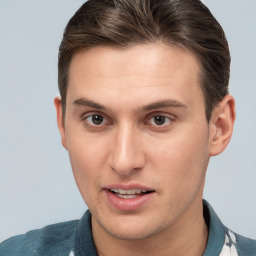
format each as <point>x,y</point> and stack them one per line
<point>74,238</point>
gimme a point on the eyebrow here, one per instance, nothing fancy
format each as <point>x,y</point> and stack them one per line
<point>155,105</point>
<point>88,103</point>
<point>163,104</point>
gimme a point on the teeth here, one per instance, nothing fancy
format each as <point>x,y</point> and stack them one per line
<point>128,192</point>
<point>131,192</point>
<point>126,196</point>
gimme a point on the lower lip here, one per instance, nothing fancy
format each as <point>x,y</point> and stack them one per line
<point>129,204</point>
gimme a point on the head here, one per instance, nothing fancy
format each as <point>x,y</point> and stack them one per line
<point>126,23</point>
<point>143,107</point>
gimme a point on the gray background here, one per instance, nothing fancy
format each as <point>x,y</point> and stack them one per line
<point>36,183</point>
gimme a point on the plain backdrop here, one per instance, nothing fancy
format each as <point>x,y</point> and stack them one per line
<point>36,182</point>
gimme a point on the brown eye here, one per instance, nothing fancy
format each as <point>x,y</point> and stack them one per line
<point>96,120</point>
<point>159,120</point>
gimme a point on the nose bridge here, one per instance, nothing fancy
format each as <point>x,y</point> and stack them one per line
<point>127,154</point>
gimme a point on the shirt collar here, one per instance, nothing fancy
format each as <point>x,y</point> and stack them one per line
<point>216,236</point>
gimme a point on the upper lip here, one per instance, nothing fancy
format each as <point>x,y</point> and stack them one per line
<point>129,187</point>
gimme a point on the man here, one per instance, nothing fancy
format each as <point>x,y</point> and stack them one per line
<point>144,105</point>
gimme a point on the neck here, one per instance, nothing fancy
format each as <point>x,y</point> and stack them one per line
<point>188,236</point>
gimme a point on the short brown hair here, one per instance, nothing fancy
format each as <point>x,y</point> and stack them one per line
<point>123,23</point>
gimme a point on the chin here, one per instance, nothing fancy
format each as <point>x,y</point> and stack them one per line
<point>131,228</point>
<point>131,235</point>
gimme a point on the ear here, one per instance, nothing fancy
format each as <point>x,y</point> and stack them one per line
<point>221,125</point>
<point>60,121</point>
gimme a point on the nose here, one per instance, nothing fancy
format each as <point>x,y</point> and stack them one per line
<point>127,154</point>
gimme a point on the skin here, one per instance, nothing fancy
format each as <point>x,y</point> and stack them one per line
<point>129,146</point>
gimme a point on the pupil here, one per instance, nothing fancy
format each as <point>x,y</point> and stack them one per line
<point>97,119</point>
<point>159,120</point>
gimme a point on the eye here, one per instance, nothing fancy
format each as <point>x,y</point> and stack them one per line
<point>159,120</point>
<point>96,120</point>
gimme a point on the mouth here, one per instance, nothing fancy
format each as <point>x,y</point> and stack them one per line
<point>129,197</point>
<point>129,193</point>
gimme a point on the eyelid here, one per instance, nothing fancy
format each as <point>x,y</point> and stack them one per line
<point>91,113</point>
<point>164,126</point>
<point>86,115</point>
<point>164,114</point>
<point>91,122</point>
<point>166,118</point>
<point>109,121</point>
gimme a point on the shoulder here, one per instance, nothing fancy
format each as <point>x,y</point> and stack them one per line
<point>243,246</point>
<point>56,239</point>
<point>222,241</point>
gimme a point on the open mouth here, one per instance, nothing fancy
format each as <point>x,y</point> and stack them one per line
<point>129,194</point>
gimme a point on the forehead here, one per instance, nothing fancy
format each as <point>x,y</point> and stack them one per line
<point>148,70</point>
<point>139,59</point>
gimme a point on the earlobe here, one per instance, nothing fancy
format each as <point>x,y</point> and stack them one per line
<point>60,121</point>
<point>221,125</point>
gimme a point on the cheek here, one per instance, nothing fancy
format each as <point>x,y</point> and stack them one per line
<point>86,150</point>
<point>87,157</point>
<point>180,170</point>
<point>181,160</point>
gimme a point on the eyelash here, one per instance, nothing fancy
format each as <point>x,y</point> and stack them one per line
<point>101,126</point>
<point>87,119</point>
<point>161,116</point>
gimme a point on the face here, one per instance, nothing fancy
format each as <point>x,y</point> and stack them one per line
<point>137,136</point>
